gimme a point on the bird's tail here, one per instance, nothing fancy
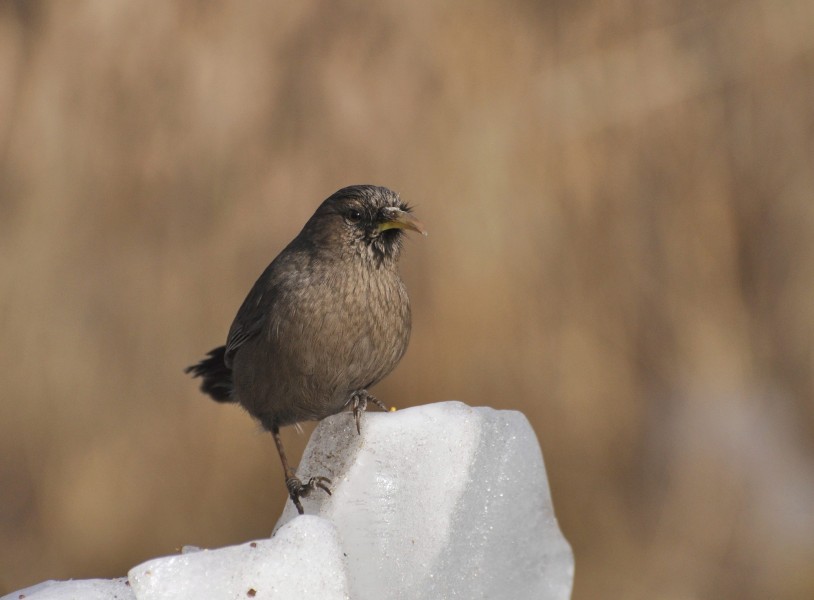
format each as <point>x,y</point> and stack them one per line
<point>217,377</point>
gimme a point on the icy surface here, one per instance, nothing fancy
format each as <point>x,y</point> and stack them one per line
<point>442,500</point>
<point>303,561</point>
<point>437,501</point>
<point>82,589</point>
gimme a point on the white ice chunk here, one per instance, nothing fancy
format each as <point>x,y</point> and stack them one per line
<point>303,561</point>
<point>80,589</point>
<point>439,501</point>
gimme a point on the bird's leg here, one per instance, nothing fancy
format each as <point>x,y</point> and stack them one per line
<point>296,489</point>
<point>358,403</point>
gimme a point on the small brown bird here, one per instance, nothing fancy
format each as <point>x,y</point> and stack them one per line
<point>327,319</point>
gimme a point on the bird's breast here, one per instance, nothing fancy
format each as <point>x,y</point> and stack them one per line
<point>336,333</point>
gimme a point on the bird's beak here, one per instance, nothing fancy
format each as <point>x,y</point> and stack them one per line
<point>395,218</point>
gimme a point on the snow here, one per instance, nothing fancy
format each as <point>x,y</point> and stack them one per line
<point>436,501</point>
<point>82,589</point>
<point>302,561</point>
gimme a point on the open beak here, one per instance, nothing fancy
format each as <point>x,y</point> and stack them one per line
<point>395,218</point>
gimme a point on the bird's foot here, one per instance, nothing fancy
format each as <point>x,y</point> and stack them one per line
<point>358,403</point>
<point>297,490</point>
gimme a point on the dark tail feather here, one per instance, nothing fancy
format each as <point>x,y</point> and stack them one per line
<point>217,377</point>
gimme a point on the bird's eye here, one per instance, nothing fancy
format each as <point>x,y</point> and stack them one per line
<point>354,216</point>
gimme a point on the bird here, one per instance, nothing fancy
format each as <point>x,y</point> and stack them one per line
<point>327,320</point>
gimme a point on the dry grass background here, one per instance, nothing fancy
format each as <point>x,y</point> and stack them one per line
<point>619,199</point>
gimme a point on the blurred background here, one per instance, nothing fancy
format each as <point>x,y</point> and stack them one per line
<point>619,200</point>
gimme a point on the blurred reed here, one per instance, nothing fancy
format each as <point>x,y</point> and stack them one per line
<point>619,199</point>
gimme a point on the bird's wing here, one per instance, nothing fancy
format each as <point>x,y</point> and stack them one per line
<point>239,334</point>
<point>248,323</point>
<point>256,310</point>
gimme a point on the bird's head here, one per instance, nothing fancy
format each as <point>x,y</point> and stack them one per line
<point>366,220</point>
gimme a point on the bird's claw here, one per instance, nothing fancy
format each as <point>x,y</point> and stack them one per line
<point>358,403</point>
<point>297,490</point>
